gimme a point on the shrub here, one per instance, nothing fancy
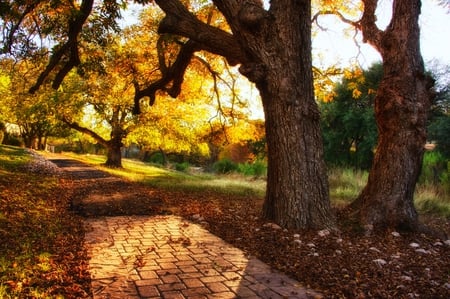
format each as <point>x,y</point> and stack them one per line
<point>156,158</point>
<point>182,166</point>
<point>225,166</point>
<point>257,169</point>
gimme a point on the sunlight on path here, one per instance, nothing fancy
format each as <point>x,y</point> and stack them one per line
<point>168,257</point>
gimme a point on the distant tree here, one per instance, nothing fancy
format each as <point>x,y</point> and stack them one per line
<point>439,122</point>
<point>348,119</point>
<point>96,105</point>
<point>34,114</point>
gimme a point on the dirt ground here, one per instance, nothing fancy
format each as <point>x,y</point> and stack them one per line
<point>342,264</point>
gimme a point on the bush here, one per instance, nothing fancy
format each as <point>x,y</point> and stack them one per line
<point>156,158</point>
<point>257,169</point>
<point>182,166</point>
<point>12,140</point>
<point>225,166</point>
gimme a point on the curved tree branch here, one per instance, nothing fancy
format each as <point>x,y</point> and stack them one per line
<point>9,39</point>
<point>68,49</point>
<point>76,126</point>
<point>173,74</point>
<point>371,33</point>
<point>180,21</point>
<point>337,14</point>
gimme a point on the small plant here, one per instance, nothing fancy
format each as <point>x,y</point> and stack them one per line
<point>225,166</point>
<point>257,169</point>
<point>182,166</point>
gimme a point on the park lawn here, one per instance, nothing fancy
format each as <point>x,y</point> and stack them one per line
<point>345,183</point>
<point>165,178</point>
<point>43,257</point>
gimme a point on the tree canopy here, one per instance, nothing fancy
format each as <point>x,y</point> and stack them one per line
<point>271,43</point>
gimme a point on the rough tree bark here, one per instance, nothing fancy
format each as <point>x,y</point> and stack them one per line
<point>401,108</point>
<point>113,146</point>
<point>274,50</point>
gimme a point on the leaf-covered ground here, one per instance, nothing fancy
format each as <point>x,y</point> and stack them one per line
<point>344,264</point>
<point>41,248</point>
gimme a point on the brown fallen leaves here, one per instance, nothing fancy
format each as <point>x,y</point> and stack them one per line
<point>343,264</point>
<point>41,249</point>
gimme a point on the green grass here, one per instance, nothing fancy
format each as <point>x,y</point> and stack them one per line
<point>12,158</point>
<point>429,198</point>
<point>432,199</point>
<point>138,171</point>
<point>345,183</point>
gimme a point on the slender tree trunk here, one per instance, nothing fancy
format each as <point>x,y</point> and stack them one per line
<point>401,109</point>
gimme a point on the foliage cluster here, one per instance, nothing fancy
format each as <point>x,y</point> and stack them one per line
<point>255,169</point>
<point>348,120</point>
<point>41,239</point>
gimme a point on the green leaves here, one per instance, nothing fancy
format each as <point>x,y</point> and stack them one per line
<point>348,121</point>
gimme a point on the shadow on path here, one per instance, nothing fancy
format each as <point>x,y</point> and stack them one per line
<point>140,253</point>
<point>96,193</point>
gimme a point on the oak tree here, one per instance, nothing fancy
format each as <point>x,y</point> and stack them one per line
<point>402,105</point>
<point>273,48</point>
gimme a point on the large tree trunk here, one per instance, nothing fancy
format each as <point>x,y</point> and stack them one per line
<point>401,108</point>
<point>297,186</point>
<point>274,50</point>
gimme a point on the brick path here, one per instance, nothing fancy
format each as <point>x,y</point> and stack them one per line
<point>168,257</point>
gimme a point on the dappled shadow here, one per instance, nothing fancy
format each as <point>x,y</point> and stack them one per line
<point>170,257</point>
<point>77,170</point>
<point>95,193</point>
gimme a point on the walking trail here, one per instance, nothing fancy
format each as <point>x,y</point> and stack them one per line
<point>146,255</point>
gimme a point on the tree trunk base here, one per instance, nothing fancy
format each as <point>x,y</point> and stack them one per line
<point>382,215</point>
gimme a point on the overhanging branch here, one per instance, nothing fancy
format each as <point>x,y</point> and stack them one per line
<point>180,21</point>
<point>173,74</point>
<point>69,49</point>
<point>76,126</point>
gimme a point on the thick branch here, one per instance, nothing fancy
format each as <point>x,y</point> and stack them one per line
<point>69,49</point>
<point>371,33</point>
<point>174,74</point>
<point>76,126</point>
<point>180,21</point>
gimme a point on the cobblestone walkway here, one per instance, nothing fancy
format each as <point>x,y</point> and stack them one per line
<point>168,257</point>
<point>163,256</point>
